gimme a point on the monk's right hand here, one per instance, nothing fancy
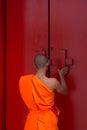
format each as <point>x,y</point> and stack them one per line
<point>63,71</point>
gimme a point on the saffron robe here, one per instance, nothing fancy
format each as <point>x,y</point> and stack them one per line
<point>40,101</point>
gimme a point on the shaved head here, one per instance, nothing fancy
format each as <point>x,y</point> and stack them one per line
<point>40,61</point>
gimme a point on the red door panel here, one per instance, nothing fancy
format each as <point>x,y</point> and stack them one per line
<point>1,64</point>
<point>69,32</point>
<point>15,64</point>
<point>26,36</point>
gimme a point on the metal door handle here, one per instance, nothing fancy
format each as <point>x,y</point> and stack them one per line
<point>67,61</point>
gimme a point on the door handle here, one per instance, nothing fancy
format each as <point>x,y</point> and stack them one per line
<point>63,58</point>
<point>68,60</point>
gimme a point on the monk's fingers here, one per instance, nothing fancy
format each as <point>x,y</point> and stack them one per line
<point>65,70</point>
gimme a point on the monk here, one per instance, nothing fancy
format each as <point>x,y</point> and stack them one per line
<point>38,92</point>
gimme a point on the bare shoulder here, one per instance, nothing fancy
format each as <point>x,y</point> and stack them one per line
<point>53,83</point>
<point>53,80</point>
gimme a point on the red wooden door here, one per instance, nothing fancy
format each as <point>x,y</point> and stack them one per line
<point>69,32</point>
<point>1,64</point>
<point>26,36</point>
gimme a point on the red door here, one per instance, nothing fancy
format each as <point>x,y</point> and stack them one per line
<point>27,34</point>
<point>1,64</point>
<point>69,41</point>
<point>27,26</point>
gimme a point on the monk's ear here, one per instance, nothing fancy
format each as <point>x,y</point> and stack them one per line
<point>48,63</point>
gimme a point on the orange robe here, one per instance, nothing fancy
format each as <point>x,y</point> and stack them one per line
<point>40,102</point>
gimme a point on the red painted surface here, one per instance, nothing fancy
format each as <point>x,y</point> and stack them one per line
<point>1,62</point>
<point>15,64</point>
<point>26,36</point>
<point>69,31</point>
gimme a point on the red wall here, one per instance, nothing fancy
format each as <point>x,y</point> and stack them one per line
<point>15,64</point>
<point>27,34</point>
<point>1,62</point>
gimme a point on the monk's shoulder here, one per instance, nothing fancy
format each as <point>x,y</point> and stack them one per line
<point>52,79</point>
<point>25,77</point>
<point>51,83</point>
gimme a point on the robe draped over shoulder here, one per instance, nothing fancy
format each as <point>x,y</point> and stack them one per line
<point>40,101</point>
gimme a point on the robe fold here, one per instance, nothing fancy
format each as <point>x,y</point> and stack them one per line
<point>43,114</point>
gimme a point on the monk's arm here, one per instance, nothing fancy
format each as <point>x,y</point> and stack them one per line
<point>62,86</point>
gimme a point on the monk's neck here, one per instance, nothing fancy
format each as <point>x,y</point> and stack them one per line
<point>41,72</point>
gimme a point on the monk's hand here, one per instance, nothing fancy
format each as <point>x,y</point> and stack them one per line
<point>63,71</point>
